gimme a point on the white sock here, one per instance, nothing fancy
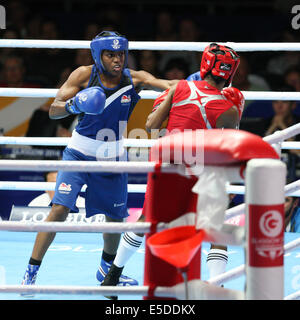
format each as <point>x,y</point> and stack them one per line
<point>129,244</point>
<point>216,262</point>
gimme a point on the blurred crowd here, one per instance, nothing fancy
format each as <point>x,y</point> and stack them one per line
<point>49,68</point>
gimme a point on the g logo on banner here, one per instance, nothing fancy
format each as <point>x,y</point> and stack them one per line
<point>270,223</point>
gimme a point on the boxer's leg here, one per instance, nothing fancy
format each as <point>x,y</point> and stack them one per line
<point>67,188</point>
<point>129,244</point>
<point>216,260</point>
<point>107,193</point>
<point>44,239</point>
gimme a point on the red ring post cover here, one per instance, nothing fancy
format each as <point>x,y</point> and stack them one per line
<point>169,196</point>
<point>220,146</point>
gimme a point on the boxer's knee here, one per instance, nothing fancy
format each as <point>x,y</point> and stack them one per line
<point>110,219</point>
<point>218,246</point>
<point>58,213</point>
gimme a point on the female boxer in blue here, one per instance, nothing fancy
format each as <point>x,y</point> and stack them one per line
<point>103,95</point>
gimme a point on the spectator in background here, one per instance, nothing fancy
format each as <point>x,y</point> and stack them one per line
<point>176,68</point>
<point>91,30</point>
<point>283,60</point>
<point>46,64</point>
<point>14,74</point>
<point>283,114</point>
<point>245,81</point>
<point>112,15</point>
<point>148,61</point>
<point>188,32</point>
<point>34,27</point>
<point>165,27</point>
<point>44,200</point>
<point>282,119</point>
<point>7,52</point>
<point>292,77</point>
<point>16,16</point>
<point>83,57</point>
<point>40,125</point>
<point>292,214</point>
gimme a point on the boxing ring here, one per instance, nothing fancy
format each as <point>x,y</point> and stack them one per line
<point>88,243</point>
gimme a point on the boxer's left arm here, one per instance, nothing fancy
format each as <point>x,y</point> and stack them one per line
<point>144,79</point>
<point>160,114</point>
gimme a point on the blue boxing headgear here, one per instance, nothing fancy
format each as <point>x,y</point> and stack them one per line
<point>108,40</point>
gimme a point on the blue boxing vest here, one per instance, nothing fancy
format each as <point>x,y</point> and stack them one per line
<point>120,102</point>
<point>94,131</point>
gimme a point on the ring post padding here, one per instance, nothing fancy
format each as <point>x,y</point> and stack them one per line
<point>265,181</point>
<point>168,197</point>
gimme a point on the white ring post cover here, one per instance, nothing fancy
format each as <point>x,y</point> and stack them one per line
<point>265,181</point>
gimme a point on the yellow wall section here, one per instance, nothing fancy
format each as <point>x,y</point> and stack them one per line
<point>136,121</point>
<point>6,101</point>
<point>18,131</point>
<point>139,115</point>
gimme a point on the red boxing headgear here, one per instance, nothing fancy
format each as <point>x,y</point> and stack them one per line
<point>222,61</point>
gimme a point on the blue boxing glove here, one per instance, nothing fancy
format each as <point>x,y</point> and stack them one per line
<point>194,77</point>
<point>90,101</point>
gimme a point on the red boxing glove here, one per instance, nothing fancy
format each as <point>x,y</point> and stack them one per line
<point>236,97</point>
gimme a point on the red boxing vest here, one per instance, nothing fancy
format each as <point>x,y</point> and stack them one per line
<point>195,105</point>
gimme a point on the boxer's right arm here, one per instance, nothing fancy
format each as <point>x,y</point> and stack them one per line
<point>230,119</point>
<point>157,117</point>
<point>68,90</point>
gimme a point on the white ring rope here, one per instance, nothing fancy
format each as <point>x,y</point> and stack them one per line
<point>51,93</point>
<point>107,227</point>
<point>276,137</point>
<point>281,135</point>
<point>293,296</point>
<point>291,189</point>
<point>235,211</point>
<point>91,290</point>
<point>289,145</point>
<point>232,235</point>
<point>55,141</point>
<point>145,94</point>
<point>198,290</point>
<point>128,143</point>
<point>240,270</point>
<point>151,45</point>
<point>87,166</point>
<point>50,186</point>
